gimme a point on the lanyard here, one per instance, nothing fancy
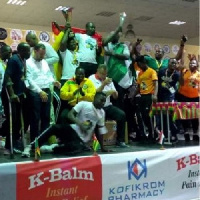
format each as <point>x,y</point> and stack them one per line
<point>159,64</point>
<point>170,75</point>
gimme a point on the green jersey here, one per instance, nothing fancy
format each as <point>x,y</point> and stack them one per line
<point>155,64</point>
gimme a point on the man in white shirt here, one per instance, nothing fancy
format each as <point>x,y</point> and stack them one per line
<point>51,58</point>
<point>50,54</point>
<point>105,84</point>
<point>87,118</point>
<point>39,79</point>
<point>89,49</point>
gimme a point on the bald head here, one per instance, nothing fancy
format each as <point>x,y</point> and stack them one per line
<point>115,37</point>
<point>5,52</point>
<point>23,50</point>
<point>31,39</point>
<point>90,28</point>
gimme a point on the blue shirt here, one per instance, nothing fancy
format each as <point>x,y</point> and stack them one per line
<point>167,85</point>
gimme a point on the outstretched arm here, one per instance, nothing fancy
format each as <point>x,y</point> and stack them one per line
<point>111,36</point>
<point>63,44</point>
<point>181,49</point>
<point>134,53</point>
<point>118,29</point>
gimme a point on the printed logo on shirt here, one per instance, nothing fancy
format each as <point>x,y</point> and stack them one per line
<point>85,86</point>
<point>75,60</point>
<point>143,86</point>
<point>193,84</point>
<point>90,44</point>
<point>166,81</point>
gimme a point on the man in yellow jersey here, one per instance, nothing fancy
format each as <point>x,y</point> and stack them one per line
<point>75,90</point>
<point>148,89</point>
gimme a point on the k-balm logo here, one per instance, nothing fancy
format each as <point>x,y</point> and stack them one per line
<point>58,174</point>
<point>193,159</point>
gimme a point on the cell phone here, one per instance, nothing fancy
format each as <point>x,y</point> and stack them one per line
<point>184,38</point>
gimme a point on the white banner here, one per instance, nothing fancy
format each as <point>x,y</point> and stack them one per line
<point>171,174</point>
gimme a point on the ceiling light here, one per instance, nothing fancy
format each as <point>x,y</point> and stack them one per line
<point>16,2</point>
<point>177,22</point>
<point>60,8</point>
<point>19,2</point>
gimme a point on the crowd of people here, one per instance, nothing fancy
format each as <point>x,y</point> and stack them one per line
<point>96,83</point>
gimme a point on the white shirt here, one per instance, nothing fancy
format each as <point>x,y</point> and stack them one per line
<point>97,83</point>
<point>51,55</point>
<point>87,48</point>
<point>38,75</point>
<point>86,111</point>
<point>70,63</point>
<point>2,72</point>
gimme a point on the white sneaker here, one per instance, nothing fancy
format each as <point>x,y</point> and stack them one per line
<point>48,148</point>
<point>26,152</point>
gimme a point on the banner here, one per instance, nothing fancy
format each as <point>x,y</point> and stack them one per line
<point>60,180</point>
<point>168,175</point>
<point>171,174</point>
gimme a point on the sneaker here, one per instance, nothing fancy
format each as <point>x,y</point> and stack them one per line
<point>187,137</point>
<point>196,138</point>
<point>121,144</point>
<point>17,151</point>
<point>48,148</point>
<point>26,152</point>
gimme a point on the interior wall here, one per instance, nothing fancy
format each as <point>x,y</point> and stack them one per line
<point>25,26</point>
<point>191,47</point>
